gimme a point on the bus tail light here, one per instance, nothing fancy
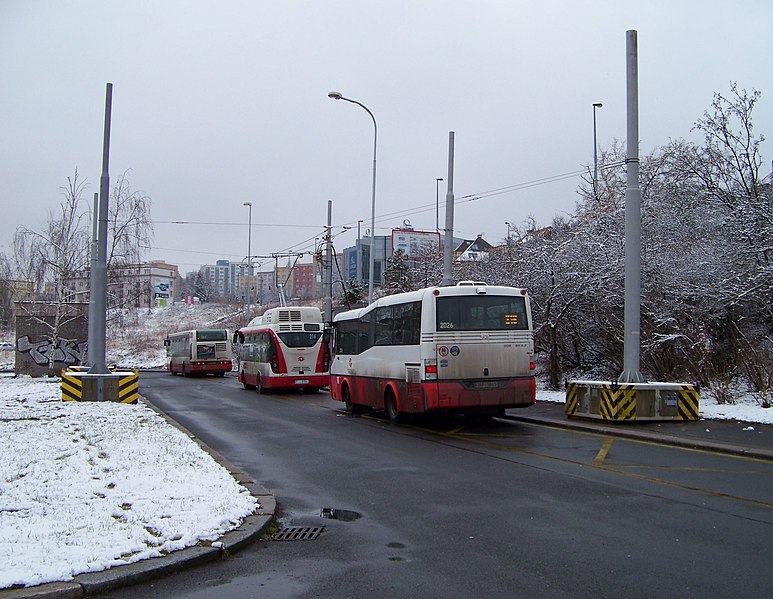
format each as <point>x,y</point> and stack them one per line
<point>532,366</point>
<point>430,370</point>
<point>323,359</point>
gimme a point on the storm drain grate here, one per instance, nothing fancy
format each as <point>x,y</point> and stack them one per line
<point>298,533</point>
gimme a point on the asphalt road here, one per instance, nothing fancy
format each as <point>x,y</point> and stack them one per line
<point>448,508</point>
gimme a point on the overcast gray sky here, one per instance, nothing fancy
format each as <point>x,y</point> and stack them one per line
<point>219,103</point>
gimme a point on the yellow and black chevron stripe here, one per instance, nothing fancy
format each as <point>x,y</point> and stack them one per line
<point>572,398</point>
<point>128,388</point>
<point>618,402</point>
<point>72,387</point>
<point>689,402</point>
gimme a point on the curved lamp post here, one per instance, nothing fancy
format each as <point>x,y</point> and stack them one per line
<point>372,261</point>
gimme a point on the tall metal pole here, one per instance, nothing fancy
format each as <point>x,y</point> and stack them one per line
<point>327,268</point>
<point>595,152</point>
<point>93,266</point>
<point>372,261</point>
<point>359,253</point>
<point>437,204</point>
<point>448,249</point>
<point>249,259</point>
<point>99,281</point>
<point>632,336</point>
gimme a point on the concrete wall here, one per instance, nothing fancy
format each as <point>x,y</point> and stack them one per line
<point>33,342</point>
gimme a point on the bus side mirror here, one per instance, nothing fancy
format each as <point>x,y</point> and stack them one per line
<point>166,343</point>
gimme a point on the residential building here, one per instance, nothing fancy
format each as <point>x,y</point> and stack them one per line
<point>472,250</point>
<point>143,285</point>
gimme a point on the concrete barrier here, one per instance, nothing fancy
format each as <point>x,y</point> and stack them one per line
<point>120,386</point>
<point>630,402</point>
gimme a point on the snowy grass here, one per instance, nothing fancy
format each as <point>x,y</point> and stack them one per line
<point>88,486</point>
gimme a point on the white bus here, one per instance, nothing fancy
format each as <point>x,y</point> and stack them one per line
<point>201,351</point>
<point>467,348</point>
<point>286,348</point>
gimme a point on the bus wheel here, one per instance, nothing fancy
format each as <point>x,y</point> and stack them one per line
<point>258,386</point>
<point>351,407</point>
<point>391,407</point>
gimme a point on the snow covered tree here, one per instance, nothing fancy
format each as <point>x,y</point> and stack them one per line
<point>398,275</point>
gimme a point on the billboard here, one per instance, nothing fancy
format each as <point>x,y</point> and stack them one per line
<point>415,244</point>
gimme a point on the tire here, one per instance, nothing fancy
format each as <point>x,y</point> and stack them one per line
<point>258,386</point>
<point>390,403</point>
<point>351,407</point>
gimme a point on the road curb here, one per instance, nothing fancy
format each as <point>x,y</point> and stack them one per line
<point>647,436</point>
<point>92,583</point>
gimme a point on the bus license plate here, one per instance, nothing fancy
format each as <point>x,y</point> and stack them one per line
<point>302,381</point>
<point>485,385</point>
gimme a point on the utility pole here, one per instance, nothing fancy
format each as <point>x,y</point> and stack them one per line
<point>99,276</point>
<point>327,268</point>
<point>632,337</point>
<point>448,249</point>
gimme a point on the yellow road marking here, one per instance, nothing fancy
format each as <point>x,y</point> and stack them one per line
<point>602,454</point>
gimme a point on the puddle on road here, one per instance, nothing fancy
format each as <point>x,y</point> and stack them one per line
<point>343,515</point>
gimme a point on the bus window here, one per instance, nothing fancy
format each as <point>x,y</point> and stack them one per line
<point>299,339</point>
<point>383,326</point>
<point>481,313</point>
<point>346,338</point>
<point>211,335</point>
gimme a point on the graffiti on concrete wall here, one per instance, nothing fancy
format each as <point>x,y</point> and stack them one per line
<point>64,351</point>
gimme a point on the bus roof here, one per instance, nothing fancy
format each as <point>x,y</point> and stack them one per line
<point>465,288</point>
<point>289,314</point>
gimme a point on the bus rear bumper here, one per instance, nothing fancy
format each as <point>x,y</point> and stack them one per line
<point>296,382</point>
<point>499,394</point>
<point>210,367</point>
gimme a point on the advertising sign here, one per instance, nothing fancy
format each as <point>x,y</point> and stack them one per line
<point>415,244</point>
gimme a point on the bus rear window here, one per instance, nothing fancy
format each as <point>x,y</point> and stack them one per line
<point>211,335</point>
<point>299,339</point>
<point>481,313</point>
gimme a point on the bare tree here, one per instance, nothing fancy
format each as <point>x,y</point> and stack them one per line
<point>50,259</point>
<point>130,231</point>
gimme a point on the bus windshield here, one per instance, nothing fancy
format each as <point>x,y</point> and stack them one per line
<point>299,339</point>
<point>481,313</point>
<point>211,335</point>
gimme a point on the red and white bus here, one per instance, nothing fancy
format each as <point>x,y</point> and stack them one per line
<point>202,351</point>
<point>285,348</point>
<point>467,348</point>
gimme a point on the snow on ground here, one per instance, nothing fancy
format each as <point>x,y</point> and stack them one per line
<point>89,486</point>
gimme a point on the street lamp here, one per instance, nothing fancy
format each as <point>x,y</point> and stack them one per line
<point>508,231</point>
<point>372,261</point>
<point>249,259</point>
<point>437,205</point>
<point>595,150</point>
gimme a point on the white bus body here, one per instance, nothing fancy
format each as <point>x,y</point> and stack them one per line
<point>284,349</point>
<point>467,348</point>
<point>202,351</point>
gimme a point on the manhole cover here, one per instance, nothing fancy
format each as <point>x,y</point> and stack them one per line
<point>298,533</point>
